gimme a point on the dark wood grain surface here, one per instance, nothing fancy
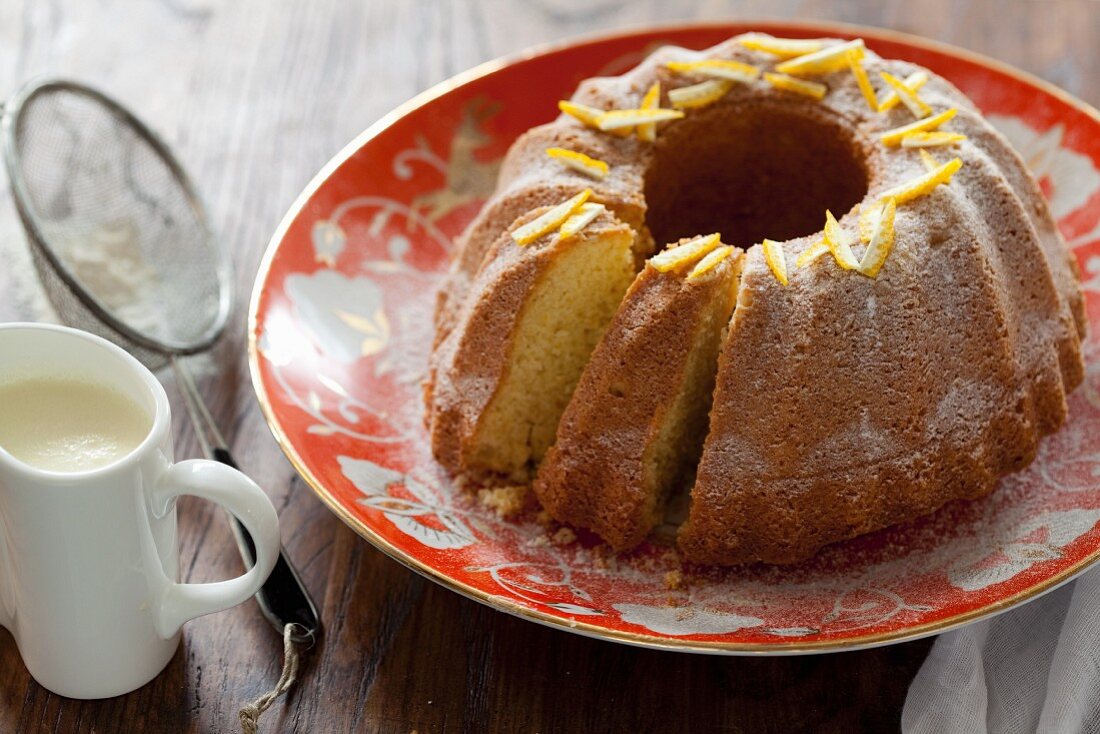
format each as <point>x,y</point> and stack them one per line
<point>255,96</point>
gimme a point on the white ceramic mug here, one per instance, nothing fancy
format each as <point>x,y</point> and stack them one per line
<point>88,560</point>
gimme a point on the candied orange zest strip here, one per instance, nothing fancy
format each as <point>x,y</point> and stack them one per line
<point>811,253</point>
<point>914,82</point>
<point>689,252</point>
<point>587,115</point>
<point>710,262</point>
<point>614,119</point>
<point>868,219</point>
<point>773,256</point>
<point>581,219</point>
<point>832,58</point>
<point>893,137</point>
<point>550,220</point>
<point>582,112</point>
<point>647,131</point>
<point>701,94</point>
<point>930,163</point>
<point>838,243</point>
<point>727,69</point>
<point>863,81</point>
<point>652,97</point>
<point>930,140</point>
<point>587,165</point>
<point>882,241</point>
<point>798,86</point>
<point>908,97</point>
<point>923,184</point>
<point>784,48</point>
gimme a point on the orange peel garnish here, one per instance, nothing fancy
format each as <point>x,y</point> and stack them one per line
<point>908,97</point>
<point>863,81</point>
<point>930,140</point>
<point>914,81</point>
<point>727,69</point>
<point>710,262</point>
<point>788,83</point>
<point>581,218</point>
<point>923,184</point>
<point>550,220</point>
<point>882,240</point>
<point>616,119</point>
<point>587,165</point>
<point>701,94</point>
<point>587,115</point>
<point>582,112</point>
<point>868,220</point>
<point>824,61</point>
<point>689,252</point>
<point>894,137</point>
<point>647,131</point>
<point>777,262</point>
<point>838,244</point>
<point>784,48</point>
<point>930,163</point>
<point>811,253</point>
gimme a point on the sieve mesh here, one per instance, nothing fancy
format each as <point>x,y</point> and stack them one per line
<point>119,238</point>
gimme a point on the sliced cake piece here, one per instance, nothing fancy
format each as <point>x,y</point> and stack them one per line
<point>637,420</point>
<point>504,374</point>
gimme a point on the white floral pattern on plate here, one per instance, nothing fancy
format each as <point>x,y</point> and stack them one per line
<point>1071,177</point>
<point>423,514</point>
<point>1037,539</point>
<point>344,314</point>
<point>680,621</point>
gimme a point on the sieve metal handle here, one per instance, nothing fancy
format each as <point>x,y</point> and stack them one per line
<point>283,598</point>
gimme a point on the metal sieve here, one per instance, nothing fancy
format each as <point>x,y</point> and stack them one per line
<point>121,244</point>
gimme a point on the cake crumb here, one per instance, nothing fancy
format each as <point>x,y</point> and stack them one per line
<point>563,536</point>
<point>506,501</point>
<point>674,580</point>
<point>463,482</point>
<point>604,558</point>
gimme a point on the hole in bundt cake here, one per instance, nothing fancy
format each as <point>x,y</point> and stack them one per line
<point>764,171</point>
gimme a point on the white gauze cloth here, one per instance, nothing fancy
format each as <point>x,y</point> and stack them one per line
<point>1033,669</point>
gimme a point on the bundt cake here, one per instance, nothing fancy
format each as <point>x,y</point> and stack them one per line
<point>841,375</point>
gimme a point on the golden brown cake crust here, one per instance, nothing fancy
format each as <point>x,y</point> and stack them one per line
<point>867,405</point>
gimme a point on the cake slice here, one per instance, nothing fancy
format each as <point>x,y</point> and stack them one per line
<point>636,423</point>
<point>504,374</point>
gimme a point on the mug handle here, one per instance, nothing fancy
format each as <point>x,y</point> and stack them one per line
<point>243,498</point>
<point>7,594</point>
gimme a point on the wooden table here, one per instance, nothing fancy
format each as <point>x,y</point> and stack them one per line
<point>255,96</point>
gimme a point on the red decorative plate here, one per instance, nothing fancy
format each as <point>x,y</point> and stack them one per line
<point>340,326</point>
